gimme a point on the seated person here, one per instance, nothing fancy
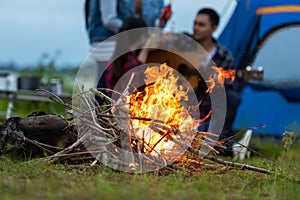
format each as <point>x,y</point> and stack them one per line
<point>127,54</point>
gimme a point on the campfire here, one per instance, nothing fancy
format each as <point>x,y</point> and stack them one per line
<point>153,128</point>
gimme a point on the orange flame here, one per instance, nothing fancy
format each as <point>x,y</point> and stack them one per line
<point>212,84</point>
<point>224,74</point>
<point>160,100</point>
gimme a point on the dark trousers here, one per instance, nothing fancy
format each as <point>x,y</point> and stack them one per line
<point>233,101</point>
<point>101,80</point>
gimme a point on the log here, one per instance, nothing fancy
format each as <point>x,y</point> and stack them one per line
<point>46,128</point>
<point>35,134</point>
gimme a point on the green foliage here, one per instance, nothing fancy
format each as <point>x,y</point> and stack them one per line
<point>287,142</point>
<point>287,139</point>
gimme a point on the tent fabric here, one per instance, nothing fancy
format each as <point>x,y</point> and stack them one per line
<point>292,95</point>
<point>251,23</point>
<point>267,110</point>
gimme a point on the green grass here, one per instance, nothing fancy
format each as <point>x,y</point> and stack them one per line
<point>35,179</point>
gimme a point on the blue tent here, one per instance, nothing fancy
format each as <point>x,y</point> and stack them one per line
<point>252,22</point>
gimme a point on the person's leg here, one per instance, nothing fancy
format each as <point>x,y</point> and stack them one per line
<point>204,109</point>
<point>101,84</point>
<point>233,102</point>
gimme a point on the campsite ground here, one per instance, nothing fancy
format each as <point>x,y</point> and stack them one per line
<point>34,178</point>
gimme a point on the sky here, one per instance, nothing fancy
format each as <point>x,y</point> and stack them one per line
<point>32,28</point>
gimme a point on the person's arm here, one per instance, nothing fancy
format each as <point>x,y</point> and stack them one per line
<point>109,15</point>
<point>143,56</point>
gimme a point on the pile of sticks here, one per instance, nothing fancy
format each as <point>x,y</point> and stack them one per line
<point>105,137</point>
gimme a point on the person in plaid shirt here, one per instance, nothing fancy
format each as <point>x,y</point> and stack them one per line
<point>133,57</point>
<point>114,73</point>
<point>205,24</point>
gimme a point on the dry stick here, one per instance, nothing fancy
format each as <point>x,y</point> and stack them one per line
<point>61,102</point>
<point>240,165</point>
<point>206,142</point>
<point>96,159</point>
<point>256,152</point>
<point>139,155</point>
<point>101,95</point>
<point>201,163</point>
<point>143,140</point>
<point>70,154</point>
<point>95,127</point>
<point>161,138</point>
<point>38,144</point>
<point>152,160</point>
<point>125,136</point>
<point>92,113</point>
<point>176,167</point>
<point>54,158</point>
<point>52,94</point>
<point>144,143</point>
<point>108,101</point>
<point>113,127</point>
<point>185,146</point>
<point>131,117</point>
<point>112,101</point>
<point>46,145</point>
<point>207,133</point>
<point>58,100</point>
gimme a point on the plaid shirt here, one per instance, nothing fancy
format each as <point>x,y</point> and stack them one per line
<point>112,79</point>
<point>222,57</point>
